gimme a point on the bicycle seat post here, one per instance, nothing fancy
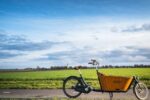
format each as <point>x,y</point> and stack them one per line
<point>78,68</point>
<point>79,72</point>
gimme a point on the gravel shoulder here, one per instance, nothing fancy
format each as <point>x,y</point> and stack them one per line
<point>52,93</point>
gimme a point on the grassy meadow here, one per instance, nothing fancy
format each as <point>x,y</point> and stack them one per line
<point>54,78</point>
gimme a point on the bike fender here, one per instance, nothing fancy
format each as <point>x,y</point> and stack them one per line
<point>71,77</point>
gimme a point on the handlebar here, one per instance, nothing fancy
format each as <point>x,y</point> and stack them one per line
<point>93,62</point>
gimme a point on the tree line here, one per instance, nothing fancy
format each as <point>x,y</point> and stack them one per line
<point>39,68</point>
<point>87,67</point>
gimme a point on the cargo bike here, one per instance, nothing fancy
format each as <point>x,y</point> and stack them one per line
<point>74,86</point>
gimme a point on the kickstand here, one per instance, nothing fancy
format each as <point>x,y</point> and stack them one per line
<point>111,95</point>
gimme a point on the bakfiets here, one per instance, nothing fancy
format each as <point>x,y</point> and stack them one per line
<point>73,86</point>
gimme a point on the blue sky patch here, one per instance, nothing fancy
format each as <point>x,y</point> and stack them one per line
<point>60,32</point>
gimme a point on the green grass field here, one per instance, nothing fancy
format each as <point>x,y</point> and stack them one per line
<point>54,79</point>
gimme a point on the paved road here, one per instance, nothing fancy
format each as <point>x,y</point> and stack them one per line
<point>58,93</point>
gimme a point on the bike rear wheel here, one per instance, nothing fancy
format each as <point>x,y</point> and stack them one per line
<point>141,91</point>
<point>69,85</point>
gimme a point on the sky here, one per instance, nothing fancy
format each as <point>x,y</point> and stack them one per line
<point>71,32</point>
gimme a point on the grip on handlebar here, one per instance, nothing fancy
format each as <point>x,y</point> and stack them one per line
<point>93,60</point>
<point>90,63</point>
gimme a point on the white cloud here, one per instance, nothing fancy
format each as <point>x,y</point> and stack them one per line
<point>87,38</point>
<point>137,58</point>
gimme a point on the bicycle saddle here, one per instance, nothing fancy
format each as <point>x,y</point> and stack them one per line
<point>77,67</point>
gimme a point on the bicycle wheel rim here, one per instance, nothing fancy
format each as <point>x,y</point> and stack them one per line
<point>69,86</point>
<point>141,91</point>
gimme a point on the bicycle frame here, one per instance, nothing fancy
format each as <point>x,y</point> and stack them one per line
<point>84,88</point>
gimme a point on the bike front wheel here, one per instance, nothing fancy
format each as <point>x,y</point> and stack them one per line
<point>141,91</point>
<point>69,86</point>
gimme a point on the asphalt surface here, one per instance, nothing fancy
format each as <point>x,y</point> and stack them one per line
<point>52,93</point>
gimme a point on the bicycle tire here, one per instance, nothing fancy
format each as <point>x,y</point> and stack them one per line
<point>139,90</point>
